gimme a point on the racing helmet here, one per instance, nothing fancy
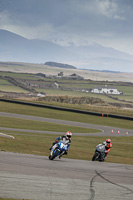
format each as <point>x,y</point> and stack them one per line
<point>68,135</point>
<point>108,141</point>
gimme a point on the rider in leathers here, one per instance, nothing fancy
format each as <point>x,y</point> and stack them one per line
<point>108,146</point>
<point>66,140</point>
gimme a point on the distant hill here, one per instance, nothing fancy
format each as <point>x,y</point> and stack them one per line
<point>14,48</point>
<point>54,64</point>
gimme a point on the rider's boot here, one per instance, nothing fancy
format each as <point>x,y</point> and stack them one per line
<point>65,152</point>
<point>61,155</point>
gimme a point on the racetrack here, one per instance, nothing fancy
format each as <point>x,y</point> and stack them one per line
<point>106,130</point>
<point>36,177</point>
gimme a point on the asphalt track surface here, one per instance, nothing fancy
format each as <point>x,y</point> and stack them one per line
<point>38,178</point>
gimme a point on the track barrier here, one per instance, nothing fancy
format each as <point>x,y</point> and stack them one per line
<point>66,109</point>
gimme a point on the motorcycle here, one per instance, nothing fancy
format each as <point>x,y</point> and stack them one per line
<point>99,154</point>
<point>57,150</point>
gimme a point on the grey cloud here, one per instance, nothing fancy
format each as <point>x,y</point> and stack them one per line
<point>69,19</point>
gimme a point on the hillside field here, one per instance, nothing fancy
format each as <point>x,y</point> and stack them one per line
<point>26,86</point>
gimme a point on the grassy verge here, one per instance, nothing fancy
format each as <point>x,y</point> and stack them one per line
<point>57,114</point>
<point>42,126</point>
<point>82,147</point>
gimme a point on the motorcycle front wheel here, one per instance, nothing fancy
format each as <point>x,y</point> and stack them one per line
<point>55,154</point>
<point>95,157</point>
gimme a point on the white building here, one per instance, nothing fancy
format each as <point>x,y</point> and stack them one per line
<point>106,90</point>
<point>40,95</point>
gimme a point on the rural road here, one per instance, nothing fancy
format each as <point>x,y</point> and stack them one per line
<point>35,177</point>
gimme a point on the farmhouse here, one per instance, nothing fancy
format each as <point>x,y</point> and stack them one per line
<point>106,90</point>
<point>72,76</point>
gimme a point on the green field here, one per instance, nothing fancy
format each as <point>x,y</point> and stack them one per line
<point>67,87</point>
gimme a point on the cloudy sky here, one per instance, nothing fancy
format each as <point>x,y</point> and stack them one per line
<point>107,22</point>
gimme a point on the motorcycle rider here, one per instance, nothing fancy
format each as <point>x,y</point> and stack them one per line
<point>66,140</point>
<point>108,146</point>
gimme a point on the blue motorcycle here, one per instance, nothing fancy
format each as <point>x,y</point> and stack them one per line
<point>57,150</point>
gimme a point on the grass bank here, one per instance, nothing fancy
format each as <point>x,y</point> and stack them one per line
<point>82,147</point>
<point>10,122</point>
<point>64,115</point>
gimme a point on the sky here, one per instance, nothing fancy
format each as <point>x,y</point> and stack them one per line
<point>66,22</point>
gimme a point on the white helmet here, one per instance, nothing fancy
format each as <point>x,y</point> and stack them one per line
<point>68,135</point>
